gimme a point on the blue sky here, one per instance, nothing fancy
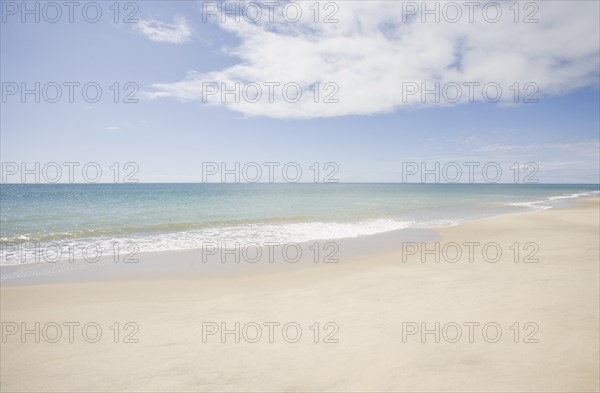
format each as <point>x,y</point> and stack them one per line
<point>368,53</point>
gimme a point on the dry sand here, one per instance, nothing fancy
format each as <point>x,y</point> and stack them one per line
<point>367,302</point>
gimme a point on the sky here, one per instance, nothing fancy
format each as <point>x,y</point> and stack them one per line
<point>172,63</point>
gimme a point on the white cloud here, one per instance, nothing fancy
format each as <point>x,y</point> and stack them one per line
<point>113,128</point>
<point>557,162</point>
<point>173,33</point>
<point>372,54</point>
<point>584,148</point>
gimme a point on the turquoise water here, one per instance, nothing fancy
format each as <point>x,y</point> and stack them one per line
<point>183,216</point>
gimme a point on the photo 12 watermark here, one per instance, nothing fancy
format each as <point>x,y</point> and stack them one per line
<point>269,92</point>
<point>253,332</point>
<point>68,172</point>
<point>452,332</point>
<point>270,252</point>
<point>469,252</point>
<point>469,92</point>
<point>269,172</point>
<point>70,92</point>
<point>270,11</point>
<point>469,11</point>
<point>63,252</point>
<point>469,172</point>
<point>52,12</point>
<point>69,332</point>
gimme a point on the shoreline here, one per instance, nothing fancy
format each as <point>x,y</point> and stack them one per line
<point>201,264</point>
<point>188,263</point>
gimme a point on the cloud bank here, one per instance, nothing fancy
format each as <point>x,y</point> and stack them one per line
<point>382,56</point>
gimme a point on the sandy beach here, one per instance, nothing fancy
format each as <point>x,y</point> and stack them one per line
<point>522,320</point>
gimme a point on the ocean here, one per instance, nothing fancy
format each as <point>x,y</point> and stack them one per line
<point>161,217</point>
